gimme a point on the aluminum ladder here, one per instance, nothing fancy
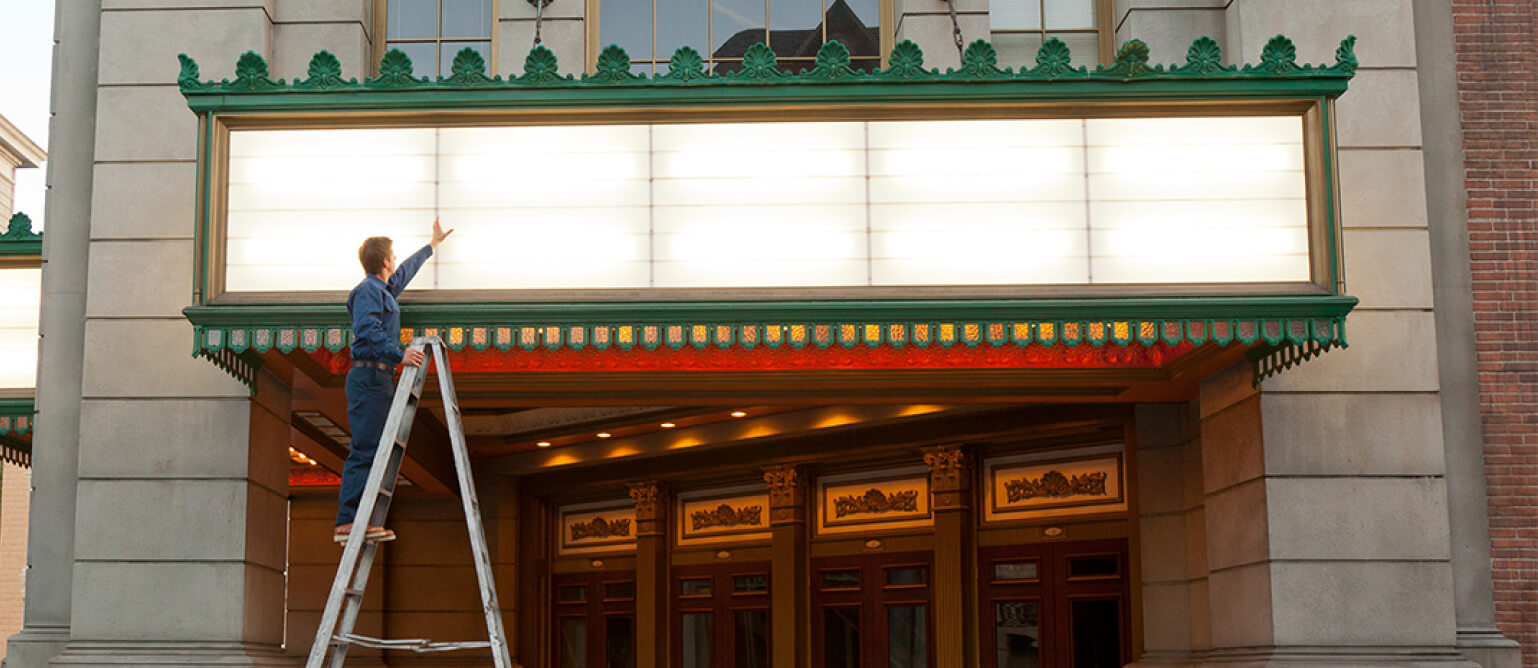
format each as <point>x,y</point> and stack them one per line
<point>335,635</point>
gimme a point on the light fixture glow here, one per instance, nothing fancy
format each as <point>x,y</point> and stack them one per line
<point>668,425</point>
<point>543,444</point>
<point>604,434</point>
<point>739,414</point>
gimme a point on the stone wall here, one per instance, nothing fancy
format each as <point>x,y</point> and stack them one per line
<point>1497,63</point>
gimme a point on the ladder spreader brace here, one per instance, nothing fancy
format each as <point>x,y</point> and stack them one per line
<point>346,599</point>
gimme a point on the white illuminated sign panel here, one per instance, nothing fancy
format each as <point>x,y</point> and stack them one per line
<point>743,205</point>
<point>20,292</point>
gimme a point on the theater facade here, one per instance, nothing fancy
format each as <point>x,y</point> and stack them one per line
<point>876,333</point>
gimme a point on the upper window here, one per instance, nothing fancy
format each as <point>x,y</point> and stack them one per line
<point>651,30</point>
<point>431,32</point>
<point>1019,27</point>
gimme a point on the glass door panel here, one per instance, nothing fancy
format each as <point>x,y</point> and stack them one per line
<point>872,610</point>
<point>1054,605</point>
<point>722,615</point>
<point>595,619</point>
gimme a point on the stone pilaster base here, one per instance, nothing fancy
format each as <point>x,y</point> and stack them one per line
<point>1296,657</point>
<point>113,654</point>
<point>1489,649</point>
<point>35,646</point>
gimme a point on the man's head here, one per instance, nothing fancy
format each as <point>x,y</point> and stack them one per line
<point>377,254</point>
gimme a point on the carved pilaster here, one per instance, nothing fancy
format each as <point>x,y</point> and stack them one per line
<point>787,494</point>
<point>950,476</point>
<point>651,507</point>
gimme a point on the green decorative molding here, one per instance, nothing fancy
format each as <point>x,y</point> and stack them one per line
<point>19,241</point>
<point>761,79</point>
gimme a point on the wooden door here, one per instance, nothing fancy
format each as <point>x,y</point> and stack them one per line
<point>721,616</point>
<point>873,610</point>
<point>1055,605</point>
<point>594,620</point>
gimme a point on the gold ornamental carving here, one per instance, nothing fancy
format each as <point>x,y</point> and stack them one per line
<point>650,499</point>
<point>1053,484</point>
<point>725,515</point>
<point>598,528</point>
<point>950,468</point>
<point>787,485</point>
<point>876,502</point>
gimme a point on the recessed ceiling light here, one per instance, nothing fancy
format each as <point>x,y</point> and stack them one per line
<point>739,414</point>
<point>604,434</point>
<point>668,425</point>
<point>543,444</point>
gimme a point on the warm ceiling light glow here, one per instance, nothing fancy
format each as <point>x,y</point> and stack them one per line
<point>739,414</point>
<point>668,425</point>
<point>604,434</point>
<point>543,444</point>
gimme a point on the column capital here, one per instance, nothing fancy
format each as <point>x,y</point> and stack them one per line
<point>950,476</point>
<point>651,506</point>
<point>787,493</point>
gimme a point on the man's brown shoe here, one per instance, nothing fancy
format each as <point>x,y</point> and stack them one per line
<point>380,534</point>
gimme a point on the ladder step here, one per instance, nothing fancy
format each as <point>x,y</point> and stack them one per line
<point>414,644</point>
<point>357,593</point>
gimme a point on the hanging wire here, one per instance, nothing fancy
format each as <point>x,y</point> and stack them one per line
<point>956,29</point>
<point>539,17</point>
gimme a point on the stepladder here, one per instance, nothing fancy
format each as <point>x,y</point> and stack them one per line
<point>335,634</point>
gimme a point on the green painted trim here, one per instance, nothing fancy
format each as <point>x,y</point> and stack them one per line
<point>19,241</point>
<point>16,415</point>
<point>831,80</point>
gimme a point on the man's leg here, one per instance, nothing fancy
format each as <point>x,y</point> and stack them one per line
<point>368,404</point>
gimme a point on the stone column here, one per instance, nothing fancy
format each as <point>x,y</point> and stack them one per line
<point>1171,535</point>
<point>652,504</point>
<point>788,579</point>
<point>955,580</point>
<point>1457,365</point>
<point>66,248</point>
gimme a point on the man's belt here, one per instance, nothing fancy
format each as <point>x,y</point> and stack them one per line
<point>373,365</point>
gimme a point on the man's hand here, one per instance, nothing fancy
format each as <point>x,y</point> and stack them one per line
<point>438,234</point>
<point>413,357</point>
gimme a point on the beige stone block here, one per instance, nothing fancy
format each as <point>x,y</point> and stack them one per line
<point>1163,548</point>
<point>140,47</point>
<point>264,5</point>
<point>1380,109</point>
<point>1358,518</point>
<point>1385,29</point>
<point>937,6</point>
<point>1382,188</point>
<point>296,43</point>
<point>148,358</point>
<point>1352,434</point>
<point>1388,268</point>
<point>1200,620</point>
<point>423,543</point>
<point>1160,480</point>
<point>1168,31</point>
<point>264,613</point>
<point>414,624</point>
<point>267,451</point>
<point>1390,351</point>
<point>184,438</point>
<point>1164,425</point>
<point>1196,542</point>
<point>159,520</point>
<point>147,200</point>
<point>116,273</point>
<point>557,9</point>
<point>360,11</point>
<point>1363,603</point>
<point>1191,471</point>
<point>1236,526</point>
<point>266,523</point>
<point>1240,607</point>
<point>1225,388</point>
<point>157,601</point>
<point>301,633</point>
<point>310,584</point>
<point>1166,617</point>
<point>567,39</point>
<point>935,34</point>
<point>433,588</point>
<point>1232,451</point>
<point>144,123</point>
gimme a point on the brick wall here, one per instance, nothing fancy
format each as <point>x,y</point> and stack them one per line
<point>1497,47</point>
<point>15,496</point>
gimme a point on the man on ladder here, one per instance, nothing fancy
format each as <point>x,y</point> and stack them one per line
<point>376,350</point>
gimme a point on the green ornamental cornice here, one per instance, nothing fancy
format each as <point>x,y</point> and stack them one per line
<point>761,79</point>
<point>16,420</point>
<point>19,240</point>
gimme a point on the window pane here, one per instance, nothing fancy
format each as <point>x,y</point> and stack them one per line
<point>744,584</point>
<point>451,50</point>
<point>412,19</point>
<point>686,24</point>
<point>1017,49</point>
<point>573,642</point>
<point>1017,633</point>
<point>619,591</point>
<point>1070,14</point>
<point>571,594</point>
<point>735,26</point>
<point>628,24</point>
<point>795,27</point>
<point>1096,634</point>
<point>466,18</point>
<point>698,587</point>
<point>1093,567</point>
<point>906,576</point>
<point>618,641</point>
<point>849,579</point>
<point>424,57</point>
<point>906,636</point>
<point>1015,14</point>
<point>1085,47</point>
<point>1014,570</point>
<point>751,638</point>
<point>841,637</point>
<point>696,639</point>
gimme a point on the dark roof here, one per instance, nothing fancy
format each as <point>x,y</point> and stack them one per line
<point>843,25</point>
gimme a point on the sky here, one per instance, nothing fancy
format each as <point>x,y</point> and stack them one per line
<point>26,63</point>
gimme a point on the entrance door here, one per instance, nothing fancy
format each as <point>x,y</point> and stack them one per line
<point>1055,605</point>
<point>721,616</point>
<point>595,620</point>
<point>872,610</point>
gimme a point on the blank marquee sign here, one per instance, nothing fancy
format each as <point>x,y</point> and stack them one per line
<point>1097,201</point>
